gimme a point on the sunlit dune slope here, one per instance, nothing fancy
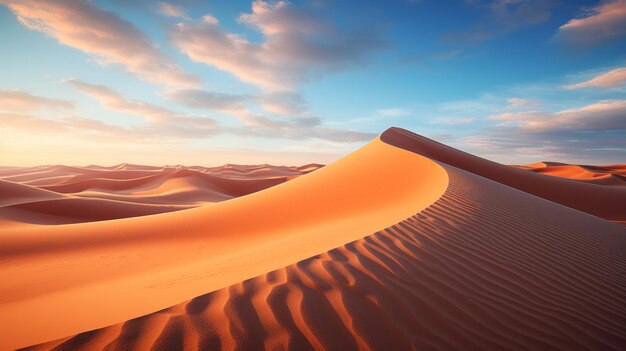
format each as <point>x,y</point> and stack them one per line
<point>602,201</point>
<point>62,280</point>
<point>486,267</point>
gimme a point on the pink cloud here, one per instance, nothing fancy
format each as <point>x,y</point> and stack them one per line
<point>102,34</point>
<point>605,21</point>
<point>602,115</point>
<point>609,79</point>
<point>520,103</point>
<point>160,119</point>
<point>167,9</point>
<point>16,100</point>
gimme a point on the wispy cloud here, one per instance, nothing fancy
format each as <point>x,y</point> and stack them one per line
<point>610,79</point>
<point>302,127</point>
<point>17,100</point>
<point>171,10</point>
<point>298,46</point>
<point>592,133</point>
<point>75,126</point>
<point>603,115</point>
<point>161,120</point>
<point>521,103</point>
<point>283,103</point>
<point>202,99</point>
<point>102,34</point>
<point>604,22</point>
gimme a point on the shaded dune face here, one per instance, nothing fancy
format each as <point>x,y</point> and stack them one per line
<point>487,266</point>
<point>602,201</point>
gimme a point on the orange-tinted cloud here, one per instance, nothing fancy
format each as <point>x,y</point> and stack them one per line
<point>102,34</point>
<point>610,79</point>
<point>603,22</point>
<point>16,100</point>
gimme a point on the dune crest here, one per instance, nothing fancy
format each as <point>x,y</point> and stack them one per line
<point>601,201</point>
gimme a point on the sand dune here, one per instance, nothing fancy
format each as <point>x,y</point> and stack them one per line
<point>602,201</point>
<point>15,193</point>
<point>384,249</point>
<point>62,280</point>
<point>62,195</point>
<point>612,175</point>
<point>486,266</point>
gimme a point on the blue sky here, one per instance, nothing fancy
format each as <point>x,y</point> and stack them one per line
<point>199,82</point>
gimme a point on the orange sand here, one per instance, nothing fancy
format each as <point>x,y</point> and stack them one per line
<point>96,274</point>
<point>466,254</point>
<point>612,175</point>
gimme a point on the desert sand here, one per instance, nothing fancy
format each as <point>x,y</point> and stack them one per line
<point>404,244</point>
<point>63,195</point>
<point>612,175</point>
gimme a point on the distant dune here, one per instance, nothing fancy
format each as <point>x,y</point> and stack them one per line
<point>63,195</point>
<point>404,244</point>
<point>612,175</point>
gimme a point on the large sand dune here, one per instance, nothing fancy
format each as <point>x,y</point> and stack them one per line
<point>61,280</point>
<point>461,257</point>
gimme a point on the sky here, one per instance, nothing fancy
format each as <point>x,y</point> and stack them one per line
<point>294,82</point>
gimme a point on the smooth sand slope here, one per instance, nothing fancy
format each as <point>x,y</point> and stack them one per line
<point>65,279</point>
<point>63,195</point>
<point>485,267</point>
<point>602,201</point>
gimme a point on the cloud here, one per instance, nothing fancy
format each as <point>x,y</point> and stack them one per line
<point>610,79</point>
<point>503,16</point>
<point>592,133</point>
<point>296,129</point>
<point>283,103</point>
<point>196,98</point>
<point>603,22</point>
<point>168,123</point>
<point>161,120</point>
<point>170,10</point>
<point>102,34</point>
<point>603,115</point>
<point>17,100</point>
<point>75,126</point>
<point>30,122</point>
<point>297,46</point>
<point>520,103</point>
<point>300,128</point>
